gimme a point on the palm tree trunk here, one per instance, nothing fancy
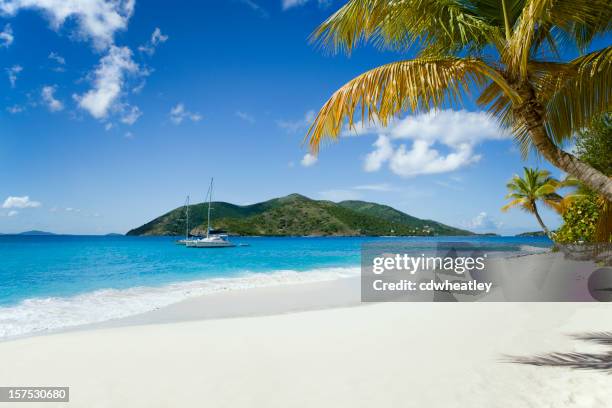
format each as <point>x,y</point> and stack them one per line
<point>537,215</point>
<point>531,113</point>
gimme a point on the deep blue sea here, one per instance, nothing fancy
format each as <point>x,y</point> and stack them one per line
<point>50,282</point>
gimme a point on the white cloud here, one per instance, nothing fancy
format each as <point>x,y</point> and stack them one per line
<point>48,97</point>
<point>287,4</point>
<point>309,159</point>
<point>339,195</point>
<point>57,58</point>
<point>109,78</point>
<point>131,115</point>
<point>245,116</point>
<point>483,221</point>
<point>178,113</point>
<point>381,187</point>
<point>293,126</point>
<point>12,213</point>
<point>255,7</point>
<point>97,20</point>
<point>12,73</point>
<point>128,135</point>
<point>375,159</point>
<point>156,38</point>
<point>458,132</point>
<point>422,158</point>
<point>451,185</point>
<point>20,202</point>
<point>450,127</point>
<point>6,36</point>
<point>15,109</point>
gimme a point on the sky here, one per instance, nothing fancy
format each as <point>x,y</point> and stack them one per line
<point>113,111</point>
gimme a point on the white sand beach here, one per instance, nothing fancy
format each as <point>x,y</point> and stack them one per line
<point>313,345</point>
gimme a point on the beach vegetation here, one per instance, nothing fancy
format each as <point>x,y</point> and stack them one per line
<point>587,215</point>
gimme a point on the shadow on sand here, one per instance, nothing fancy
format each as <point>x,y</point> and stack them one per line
<point>582,361</point>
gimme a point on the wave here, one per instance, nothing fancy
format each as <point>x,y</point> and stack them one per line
<point>39,315</point>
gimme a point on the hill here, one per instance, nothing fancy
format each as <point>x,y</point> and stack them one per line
<point>297,215</point>
<point>532,234</point>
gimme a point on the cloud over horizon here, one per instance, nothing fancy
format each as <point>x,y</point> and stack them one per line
<point>20,202</point>
<point>309,159</point>
<point>437,142</point>
<point>483,222</point>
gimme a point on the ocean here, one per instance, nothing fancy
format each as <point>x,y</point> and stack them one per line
<point>52,282</point>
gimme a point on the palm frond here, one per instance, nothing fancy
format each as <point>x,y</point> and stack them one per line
<point>499,105</point>
<point>436,26</point>
<point>514,203</point>
<point>574,17</point>
<point>493,12</point>
<point>384,92</point>
<point>582,90</point>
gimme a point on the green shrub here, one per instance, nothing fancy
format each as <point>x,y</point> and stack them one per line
<point>579,221</point>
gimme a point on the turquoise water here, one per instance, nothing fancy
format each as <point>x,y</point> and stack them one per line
<point>48,282</point>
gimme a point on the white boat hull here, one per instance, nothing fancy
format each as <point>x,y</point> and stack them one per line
<point>209,243</point>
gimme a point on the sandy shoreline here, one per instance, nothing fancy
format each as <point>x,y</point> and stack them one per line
<point>304,345</point>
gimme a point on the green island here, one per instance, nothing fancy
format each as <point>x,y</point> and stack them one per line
<point>297,215</point>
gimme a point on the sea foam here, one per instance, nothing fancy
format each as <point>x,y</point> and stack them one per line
<point>38,315</point>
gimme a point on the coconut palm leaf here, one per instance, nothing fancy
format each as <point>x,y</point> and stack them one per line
<point>497,12</point>
<point>583,90</point>
<point>570,16</point>
<point>446,25</point>
<point>419,84</point>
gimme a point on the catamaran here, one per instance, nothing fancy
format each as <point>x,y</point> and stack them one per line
<point>214,238</point>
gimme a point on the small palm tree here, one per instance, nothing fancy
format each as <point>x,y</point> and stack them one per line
<point>535,185</point>
<point>508,51</point>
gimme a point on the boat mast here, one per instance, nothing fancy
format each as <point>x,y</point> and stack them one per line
<point>210,190</point>
<point>187,223</point>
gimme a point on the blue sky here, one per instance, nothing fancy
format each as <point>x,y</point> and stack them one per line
<point>112,112</point>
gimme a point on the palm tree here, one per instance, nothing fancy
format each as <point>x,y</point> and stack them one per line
<point>507,50</point>
<point>535,185</point>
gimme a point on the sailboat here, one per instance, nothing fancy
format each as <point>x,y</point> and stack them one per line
<point>213,239</point>
<point>187,239</point>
